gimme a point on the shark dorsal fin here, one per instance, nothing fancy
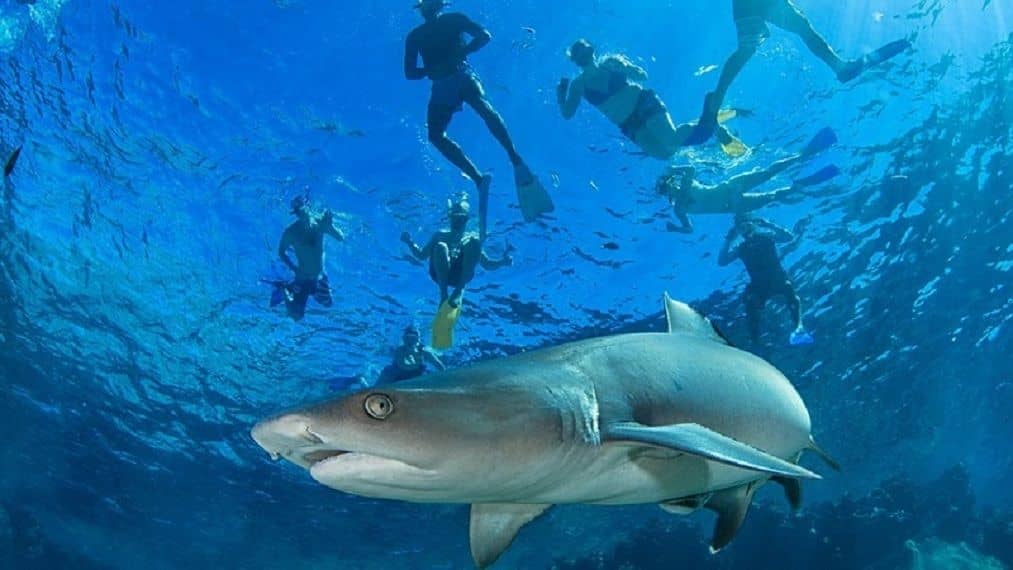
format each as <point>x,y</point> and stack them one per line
<point>494,526</point>
<point>684,319</point>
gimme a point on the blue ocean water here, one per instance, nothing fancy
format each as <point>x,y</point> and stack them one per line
<point>162,143</point>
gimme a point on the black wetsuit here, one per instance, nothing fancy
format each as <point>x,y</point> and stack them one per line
<point>767,278</point>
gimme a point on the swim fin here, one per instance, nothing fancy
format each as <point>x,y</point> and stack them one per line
<point>734,148</point>
<point>801,337</point>
<point>533,198</point>
<point>443,326</point>
<point>820,176</point>
<point>858,66</point>
<point>824,139</point>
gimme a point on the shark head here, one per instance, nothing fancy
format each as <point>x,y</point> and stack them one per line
<point>432,442</point>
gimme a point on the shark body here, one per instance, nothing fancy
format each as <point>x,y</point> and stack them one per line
<point>681,419</point>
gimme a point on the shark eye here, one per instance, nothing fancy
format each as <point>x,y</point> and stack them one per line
<point>378,406</point>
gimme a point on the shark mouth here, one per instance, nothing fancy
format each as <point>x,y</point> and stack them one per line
<point>314,457</point>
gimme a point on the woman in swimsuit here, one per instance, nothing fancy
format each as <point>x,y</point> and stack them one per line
<point>611,83</point>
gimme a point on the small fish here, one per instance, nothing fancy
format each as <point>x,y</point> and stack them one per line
<point>704,70</point>
<point>610,245</point>
<point>554,176</point>
<point>12,161</point>
<point>593,186</point>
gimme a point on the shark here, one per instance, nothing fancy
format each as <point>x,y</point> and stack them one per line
<point>680,419</point>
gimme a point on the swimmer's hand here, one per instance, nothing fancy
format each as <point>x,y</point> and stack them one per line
<point>562,89</point>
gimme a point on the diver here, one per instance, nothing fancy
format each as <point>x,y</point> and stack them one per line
<point>454,253</point>
<point>612,84</point>
<point>453,256</point>
<point>306,237</point>
<point>767,278</point>
<point>751,22</point>
<point>735,196</point>
<point>410,359</point>
<point>441,44</point>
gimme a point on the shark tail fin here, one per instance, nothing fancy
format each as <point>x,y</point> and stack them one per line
<point>830,461</point>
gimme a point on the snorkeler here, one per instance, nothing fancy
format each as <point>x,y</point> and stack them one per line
<point>440,43</point>
<point>735,196</point>
<point>751,19</point>
<point>453,256</point>
<point>767,277</point>
<point>612,84</point>
<point>410,359</point>
<point>306,237</point>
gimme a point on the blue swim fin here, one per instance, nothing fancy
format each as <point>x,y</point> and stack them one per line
<point>801,337</point>
<point>856,67</point>
<point>823,140</point>
<point>820,176</point>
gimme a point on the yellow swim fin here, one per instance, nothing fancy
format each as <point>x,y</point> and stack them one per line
<point>725,115</point>
<point>443,326</point>
<point>734,148</point>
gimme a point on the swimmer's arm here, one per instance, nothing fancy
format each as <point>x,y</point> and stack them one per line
<point>728,254</point>
<point>480,37</point>
<point>435,360</point>
<point>412,71</point>
<point>569,94</point>
<point>331,229</point>
<point>490,264</point>
<point>420,253</point>
<point>781,233</point>
<point>687,224</point>
<point>283,245</point>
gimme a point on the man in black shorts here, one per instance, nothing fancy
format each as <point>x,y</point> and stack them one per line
<point>751,21</point>
<point>767,277</point>
<point>454,254</point>
<point>440,43</point>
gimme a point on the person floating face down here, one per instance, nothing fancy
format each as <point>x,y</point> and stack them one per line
<point>752,19</point>
<point>305,237</point>
<point>738,194</point>
<point>612,85</point>
<point>757,249</point>
<point>410,359</point>
<point>440,43</point>
<point>454,254</point>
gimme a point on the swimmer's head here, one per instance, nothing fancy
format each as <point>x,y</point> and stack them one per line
<point>458,211</point>
<point>430,8</point>
<point>745,224</point>
<point>411,335</point>
<point>300,206</point>
<point>581,53</point>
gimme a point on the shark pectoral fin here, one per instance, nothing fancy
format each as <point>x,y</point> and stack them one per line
<point>792,491</point>
<point>685,506</point>
<point>684,319</point>
<point>731,505</point>
<point>698,440</point>
<point>494,526</point>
